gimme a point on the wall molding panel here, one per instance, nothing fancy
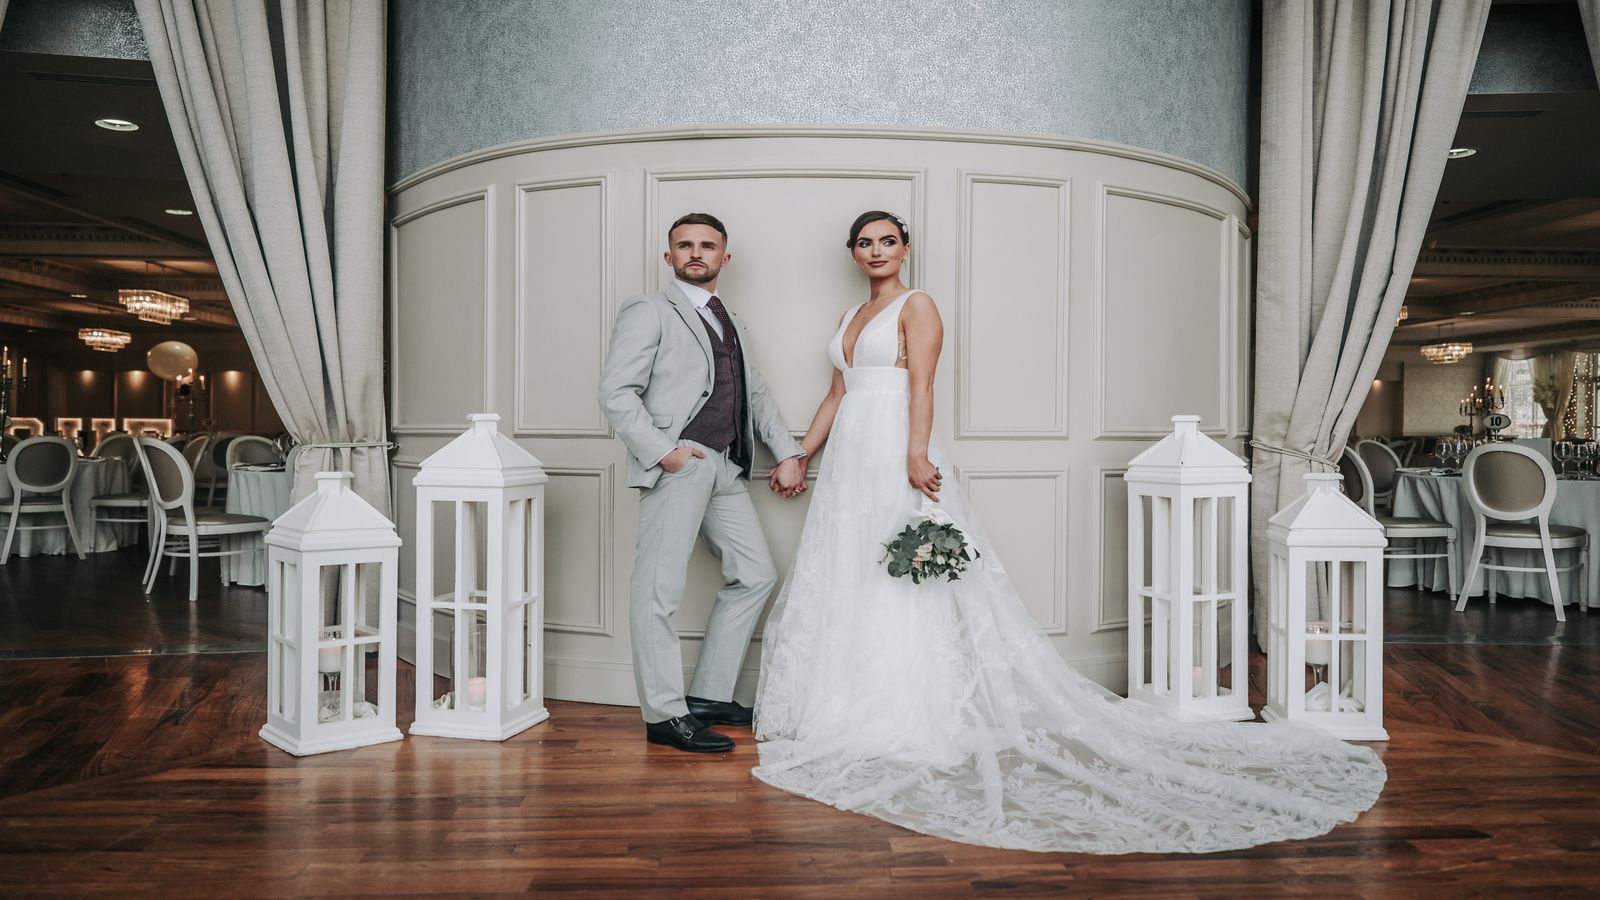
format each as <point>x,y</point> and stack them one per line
<point>508,265</point>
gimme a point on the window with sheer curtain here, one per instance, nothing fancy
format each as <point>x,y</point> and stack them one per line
<point>1527,418</point>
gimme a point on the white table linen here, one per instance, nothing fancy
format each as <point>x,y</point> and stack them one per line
<point>1441,497</point>
<point>252,492</point>
<point>94,478</point>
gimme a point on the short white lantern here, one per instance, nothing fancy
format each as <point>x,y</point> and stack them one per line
<point>490,493</point>
<point>1187,517</point>
<point>331,599</point>
<point>1325,612</point>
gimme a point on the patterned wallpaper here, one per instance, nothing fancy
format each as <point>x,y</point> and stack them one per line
<point>1431,393</point>
<point>1169,75</point>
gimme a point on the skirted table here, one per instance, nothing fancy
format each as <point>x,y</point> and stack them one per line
<point>95,477</point>
<point>253,491</point>
<point>1441,497</point>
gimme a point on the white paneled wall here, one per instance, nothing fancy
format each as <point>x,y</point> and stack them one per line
<point>1089,292</point>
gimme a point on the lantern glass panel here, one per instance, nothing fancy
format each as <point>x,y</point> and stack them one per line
<point>1352,597</point>
<point>444,658</point>
<point>1352,676</point>
<point>1224,553</point>
<point>468,682</point>
<point>1146,505</point>
<point>368,580</point>
<point>332,582</point>
<point>367,674</point>
<point>283,635</point>
<point>1319,576</point>
<point>461,552</point>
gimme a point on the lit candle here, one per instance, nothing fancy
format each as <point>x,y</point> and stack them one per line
<point>328,660</point>
<point>24,368</point>
<point>477,691</point>
<point>1318,653</point>
<point>202,382</point>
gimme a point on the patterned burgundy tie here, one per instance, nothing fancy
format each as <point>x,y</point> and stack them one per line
<point>721,312</point>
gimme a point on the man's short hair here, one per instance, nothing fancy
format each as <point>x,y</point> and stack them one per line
<point>699,218</point>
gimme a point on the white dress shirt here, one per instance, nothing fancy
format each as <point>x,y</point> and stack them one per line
<point>699,296</point>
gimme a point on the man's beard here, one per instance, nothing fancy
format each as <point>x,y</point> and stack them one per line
<point>700,276</point>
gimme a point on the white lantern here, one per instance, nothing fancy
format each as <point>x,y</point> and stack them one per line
<point>1325,612</point>
<point>1187,516</point>
<point>331,595</point>
<point>492,612</point>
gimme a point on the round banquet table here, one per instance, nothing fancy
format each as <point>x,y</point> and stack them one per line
<point>253,492</point>
<point>1441,497</point>
<point>93,478</point>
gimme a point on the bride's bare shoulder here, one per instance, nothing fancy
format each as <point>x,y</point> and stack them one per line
<point>919,307</point>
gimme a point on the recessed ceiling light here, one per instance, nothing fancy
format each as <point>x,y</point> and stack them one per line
<point>80,296</point>
<point>116,124</point>
<point>180,212</point>
<point>1469,312</point>
<point>1462,152</point>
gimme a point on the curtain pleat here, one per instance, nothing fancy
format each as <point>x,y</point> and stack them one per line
<point>278,113</point>
<point>1360,100</point>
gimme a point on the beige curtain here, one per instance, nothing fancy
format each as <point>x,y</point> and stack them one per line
<point>1360,100</point>
<point>278,113</point>
<point>3,12</point>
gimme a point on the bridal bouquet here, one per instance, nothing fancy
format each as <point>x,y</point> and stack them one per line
<point>929,548</point>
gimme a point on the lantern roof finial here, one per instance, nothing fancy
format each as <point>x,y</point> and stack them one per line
<point>1324,516</point>
<point>333,517</point>
<point>481,457</point>
<point>1188,455</point>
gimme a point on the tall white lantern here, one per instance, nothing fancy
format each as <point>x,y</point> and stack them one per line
<point>331,595</point>
<point>1187,514</point>
<point>1325,613</point>
<point>489,494</point>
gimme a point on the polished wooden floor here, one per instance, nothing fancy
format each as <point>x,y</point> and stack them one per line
<point>136,775</point>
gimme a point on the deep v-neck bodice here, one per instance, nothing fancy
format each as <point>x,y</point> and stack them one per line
<point>881,346</point>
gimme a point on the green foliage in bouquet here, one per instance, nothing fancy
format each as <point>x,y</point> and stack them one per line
<point>929,549</point>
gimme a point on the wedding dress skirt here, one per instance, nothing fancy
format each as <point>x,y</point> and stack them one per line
<point>943,708</point>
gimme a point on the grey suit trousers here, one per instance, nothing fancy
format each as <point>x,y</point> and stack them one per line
<point>709,498</point>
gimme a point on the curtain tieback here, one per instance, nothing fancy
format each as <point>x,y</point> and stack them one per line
<point>350,445</point>
<point>1285,451</point>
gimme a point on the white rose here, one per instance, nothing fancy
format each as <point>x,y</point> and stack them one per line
<point>925,552</point>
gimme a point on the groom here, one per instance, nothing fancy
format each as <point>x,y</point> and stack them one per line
<point>680,390</point>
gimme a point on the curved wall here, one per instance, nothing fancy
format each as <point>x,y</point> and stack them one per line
<point>1088,292</point>
<point>1169,75</point>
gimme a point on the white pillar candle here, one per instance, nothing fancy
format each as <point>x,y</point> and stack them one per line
<point>328,660</point>
<point>477,691</point>
<point>1318,653</point>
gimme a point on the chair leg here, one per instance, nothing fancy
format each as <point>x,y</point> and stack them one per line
<point>158,543</point>
<point>11,530</point>
<point>72,529</point>
<point>1555,582</point>
<point>1450,562</point>
<point>194,564</point>
<point>1475,560</point>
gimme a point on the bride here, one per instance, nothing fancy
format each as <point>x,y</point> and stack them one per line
<point>942,707</point>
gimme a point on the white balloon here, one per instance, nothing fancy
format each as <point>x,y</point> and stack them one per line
<point>171,359</point>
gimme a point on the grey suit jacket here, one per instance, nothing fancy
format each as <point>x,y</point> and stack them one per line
<point>658,374</point>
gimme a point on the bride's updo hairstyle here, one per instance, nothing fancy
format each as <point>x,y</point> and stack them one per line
<point>876,215</point>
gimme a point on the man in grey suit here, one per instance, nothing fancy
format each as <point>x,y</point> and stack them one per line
<point>680,390</point>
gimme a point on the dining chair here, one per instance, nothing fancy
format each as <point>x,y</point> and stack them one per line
<point>1382,463</point>
<point>130,507</point>
<point>214,468</point>
<point>6,443</point>
<point>252,449</point>
<point>45,467</point>
<point>1357,485</point>
<point>1506,485</point>
<point>180,530</point>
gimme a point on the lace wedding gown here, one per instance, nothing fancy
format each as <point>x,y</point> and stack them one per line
<point>943,708</point>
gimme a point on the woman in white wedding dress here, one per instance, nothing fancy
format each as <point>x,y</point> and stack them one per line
<point>942,707</point>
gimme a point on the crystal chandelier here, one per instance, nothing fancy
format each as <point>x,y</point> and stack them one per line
<point>1443,354</point>
<point>153,306</point>
<point>104,339</point>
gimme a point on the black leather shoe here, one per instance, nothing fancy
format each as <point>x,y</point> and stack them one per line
<point>687,733</point>
<point>718,712</point>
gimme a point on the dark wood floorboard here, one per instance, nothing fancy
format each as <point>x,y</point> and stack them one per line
<point>144,775</point>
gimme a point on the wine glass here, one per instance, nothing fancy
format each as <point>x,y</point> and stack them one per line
<point>1586,456</point>
<point>1563,453</point>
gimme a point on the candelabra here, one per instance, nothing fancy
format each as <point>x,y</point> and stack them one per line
<point>192,387</point>
<point>1487,405</point>
<point>9,379</point>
